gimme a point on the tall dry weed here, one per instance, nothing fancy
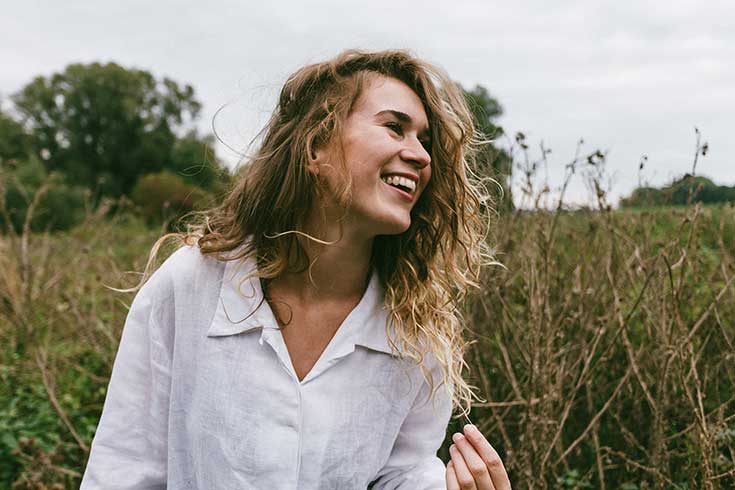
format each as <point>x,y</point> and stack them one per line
<point>59,331</point>
<point>605,350</point>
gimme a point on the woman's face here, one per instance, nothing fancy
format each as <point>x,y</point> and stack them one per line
<point>385,141</point>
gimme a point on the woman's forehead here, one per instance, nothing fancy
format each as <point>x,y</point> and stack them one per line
<point>383,94</point>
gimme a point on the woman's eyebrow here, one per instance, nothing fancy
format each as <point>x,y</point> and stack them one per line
<point>403,117</point>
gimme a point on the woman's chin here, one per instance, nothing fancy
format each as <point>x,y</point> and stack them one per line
<point>396,226</point>
<point>389,222</point>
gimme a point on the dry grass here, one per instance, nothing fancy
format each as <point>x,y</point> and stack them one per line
<point>605,351</point>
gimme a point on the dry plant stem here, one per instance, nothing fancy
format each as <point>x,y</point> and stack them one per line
<point>49,465</point>
<point>705,434</point>
<point>652,471</point>
<point>629,436</point>
<point>512,403</point>
<point>697,150</point>
<point>687,250</point>
<point>596,417</point>
<point>509,368</point>
<point>626,341</point>
<point>507,441</point>
<point>596,442</point>
<point>707,312</point>
<point>26,269</point>
<point>723,475</point>
<point>49,385</point>
<point>628,316</point>
<point>18,278</point>
<point>571,397</point>
<point>723,331</point>
<point>521,351</point>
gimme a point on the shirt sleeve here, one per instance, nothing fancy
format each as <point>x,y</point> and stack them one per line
<point>413,463</point>
<point>129,450</point>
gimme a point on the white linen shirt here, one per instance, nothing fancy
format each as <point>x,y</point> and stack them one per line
<point>203,395</point>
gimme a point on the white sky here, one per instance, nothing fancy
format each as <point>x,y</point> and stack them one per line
<point>630,79</point>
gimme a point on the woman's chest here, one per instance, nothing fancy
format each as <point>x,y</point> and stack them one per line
<point>307,331</point>
<point>237,406</point>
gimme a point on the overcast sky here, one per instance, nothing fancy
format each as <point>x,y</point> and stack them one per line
<point>630,79</point>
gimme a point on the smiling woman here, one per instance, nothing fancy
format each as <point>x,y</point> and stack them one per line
<point>307,334</point>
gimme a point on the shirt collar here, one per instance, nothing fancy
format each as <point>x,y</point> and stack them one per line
<point>242,308</point>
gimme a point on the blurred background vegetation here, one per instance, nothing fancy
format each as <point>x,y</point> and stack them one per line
<point>603,349</point>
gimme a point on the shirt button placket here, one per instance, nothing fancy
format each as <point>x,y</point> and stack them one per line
<point>298,424</point>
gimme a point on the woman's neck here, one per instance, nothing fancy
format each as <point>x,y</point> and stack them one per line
<point>339,271</point>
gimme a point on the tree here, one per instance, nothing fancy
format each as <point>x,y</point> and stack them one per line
<point>193,158</point>
<point>103,125</point>
<point>492,161</point>
<point>14,141</point>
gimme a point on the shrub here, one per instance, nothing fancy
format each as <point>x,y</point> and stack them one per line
<point>59,205</point>
<point>164,196</point>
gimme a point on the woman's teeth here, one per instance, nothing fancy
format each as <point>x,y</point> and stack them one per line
<point>401,181</point>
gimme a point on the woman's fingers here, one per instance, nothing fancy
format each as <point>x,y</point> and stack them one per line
<point>451,476</point>
<point>464,477</point>
<point>489,456</point>
<point>474,463</point>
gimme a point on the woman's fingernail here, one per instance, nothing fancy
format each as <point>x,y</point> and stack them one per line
<point>471,428</point>
<point>457,437</point>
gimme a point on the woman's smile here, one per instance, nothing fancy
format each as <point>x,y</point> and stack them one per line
<point>402,186</point>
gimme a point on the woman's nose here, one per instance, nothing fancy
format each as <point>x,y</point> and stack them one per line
<point>415,153</point>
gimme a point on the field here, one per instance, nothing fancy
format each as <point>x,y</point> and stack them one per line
<point>604,348</point>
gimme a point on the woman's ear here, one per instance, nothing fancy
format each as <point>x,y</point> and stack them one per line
<point>315,160</point>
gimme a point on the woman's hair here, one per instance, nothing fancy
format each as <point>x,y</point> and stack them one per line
<point>427,270</point>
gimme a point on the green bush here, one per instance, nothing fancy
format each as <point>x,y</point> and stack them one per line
<point>60,205</point>
<point>163,196</point>
<point>681,192</point>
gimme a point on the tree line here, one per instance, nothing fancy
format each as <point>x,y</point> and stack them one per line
<point>681,191</point>
<point>96,131</point>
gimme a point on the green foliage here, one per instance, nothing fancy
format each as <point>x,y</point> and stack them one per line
<point>194,159</point>
<point>572,480</point>
<point>492,161</point>
<point>53,303</point>
<point>14,141</point>
<point>104,125</point>
<point>687,189</point>
<point>25,415</point>
<point>59,207</point>
<point>165,195</point>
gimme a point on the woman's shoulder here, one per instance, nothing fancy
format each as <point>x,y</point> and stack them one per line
<point>187,259</point>
<point>186,268</point>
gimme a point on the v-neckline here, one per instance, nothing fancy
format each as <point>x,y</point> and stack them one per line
<point>338,346</point>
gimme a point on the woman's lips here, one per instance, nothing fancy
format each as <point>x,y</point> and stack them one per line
<point>403,194</point>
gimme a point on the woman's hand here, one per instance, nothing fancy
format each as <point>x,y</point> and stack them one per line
<point>475,464</point>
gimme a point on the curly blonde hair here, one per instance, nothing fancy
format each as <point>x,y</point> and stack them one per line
<point>426,271</point>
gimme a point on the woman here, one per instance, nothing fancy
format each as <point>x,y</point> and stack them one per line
<point>307,335</point>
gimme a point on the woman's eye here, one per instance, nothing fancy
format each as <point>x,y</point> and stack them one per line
<point>395,127</point>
